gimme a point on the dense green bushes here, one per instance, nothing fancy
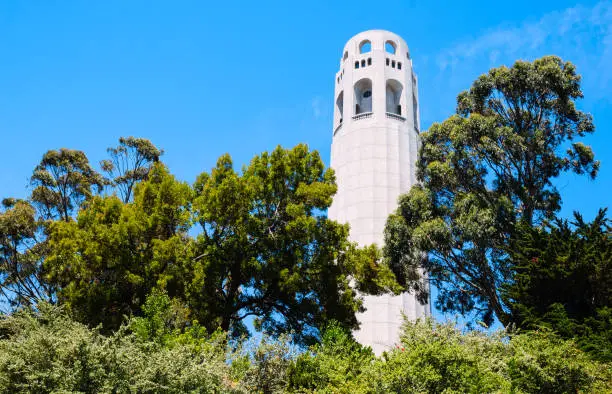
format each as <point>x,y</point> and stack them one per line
<point>48,352</point>
<point>434,358</point>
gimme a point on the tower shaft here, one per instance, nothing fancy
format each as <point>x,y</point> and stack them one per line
<point>374,151</point>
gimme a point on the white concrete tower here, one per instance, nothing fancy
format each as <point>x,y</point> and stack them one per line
<point>374,152</point>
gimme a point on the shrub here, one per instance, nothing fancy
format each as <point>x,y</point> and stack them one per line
<point>47,352</point>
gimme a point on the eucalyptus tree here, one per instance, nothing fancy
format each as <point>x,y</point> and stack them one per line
<point>62,181</point>
<point>130,163</point>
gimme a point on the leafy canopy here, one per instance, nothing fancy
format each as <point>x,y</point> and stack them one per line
<point>106,262</point>
<point>562,279</point>
<point>22,281</point>
<point>130,163</point>
<point>267,250</point>
<point>62,181</point>
<point>262,248</point>
<point>483,170</point>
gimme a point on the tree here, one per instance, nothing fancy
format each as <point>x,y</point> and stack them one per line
<point>481,172</point>
<point>62,181</point>
<point>130,163</point>
<point>267,250</point>
<point>21,273</point>
<point>106,262</point>
<point>562,279</point>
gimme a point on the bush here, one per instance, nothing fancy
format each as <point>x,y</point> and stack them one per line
<point>48,352</point>
<point>334,365</point>
<point>162,352</point>
<point>261,366</point>
<point>439,358</point>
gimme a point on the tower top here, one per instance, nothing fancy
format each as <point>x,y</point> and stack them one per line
<point>375,82</point>
<point>375,40</point>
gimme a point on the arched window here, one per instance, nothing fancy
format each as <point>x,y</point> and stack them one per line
<point>365,46</point>
<point>345,55</point>
<point>363,63</point>
<point>387,61</point>
<point>393,63</point>
<point>369,61</point>
<point>357,64</point>
<point>399,65</point>
<point>390,47</point>
<point>394,97</point>
<point>363,96</point>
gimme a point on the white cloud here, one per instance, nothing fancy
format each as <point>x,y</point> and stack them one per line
<point>581,34</point>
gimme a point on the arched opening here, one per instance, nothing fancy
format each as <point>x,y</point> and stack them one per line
<point>345,55</point>
<point>365,46</point>
<point>340,107</point>
<point>394,97</point>
<point>363,63</point>
<point>357,64</point>
<point>369,61</point>
<point>390,47</point>
<point>363,96</point>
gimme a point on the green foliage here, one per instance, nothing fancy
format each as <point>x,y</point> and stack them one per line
<point>164,321</point>
<point>21,273</point>
<point>130,163</point>
<point>370,274</point>
<point>482,171</point>
<point>267,250</point>
<point>334,365</point>
<point>438,358</point>
<point>262,366</point>
<point>106,262</point>
<point>563,280</point>
<point>49,353</point>
<point>540,362</point>
<point>62,181</point>
<point>264,249</point>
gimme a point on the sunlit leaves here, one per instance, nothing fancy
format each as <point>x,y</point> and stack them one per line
<point>485,169</point>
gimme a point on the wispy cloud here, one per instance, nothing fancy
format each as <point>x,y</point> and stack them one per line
<point>582,34</point>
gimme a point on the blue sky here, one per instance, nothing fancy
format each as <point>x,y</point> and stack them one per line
<point>203,78</point>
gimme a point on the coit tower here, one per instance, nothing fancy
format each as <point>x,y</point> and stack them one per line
<point>374,150</point>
